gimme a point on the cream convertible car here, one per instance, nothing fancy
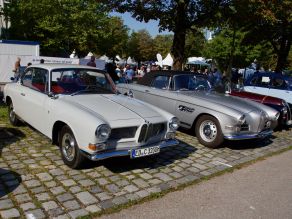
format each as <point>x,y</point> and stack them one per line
<point>78,108</point>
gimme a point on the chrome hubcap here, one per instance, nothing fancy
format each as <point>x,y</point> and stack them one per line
<point>12,113</point>
<point>208,131</point>
<point>68,147</point>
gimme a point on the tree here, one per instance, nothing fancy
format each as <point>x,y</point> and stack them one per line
<point>140,46</point>
<point>195,43</point>
<point>162,44</point>
<point>114,40</point>
<point>59,25</point>
<point>177,16</point>
<point>273,20</point>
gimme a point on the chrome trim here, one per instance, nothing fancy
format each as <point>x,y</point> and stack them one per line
<point>127,151</point>
<point>262,134</point>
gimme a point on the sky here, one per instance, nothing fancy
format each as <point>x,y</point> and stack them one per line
<point>133,24</point>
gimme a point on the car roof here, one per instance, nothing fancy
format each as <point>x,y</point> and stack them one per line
<point>51,66</point>
<point>148,77</point>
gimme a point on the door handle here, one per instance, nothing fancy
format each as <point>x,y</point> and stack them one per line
<point>22,94</point>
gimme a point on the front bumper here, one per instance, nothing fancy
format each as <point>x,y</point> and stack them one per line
<point>262,134</point>
<point>127,151</point>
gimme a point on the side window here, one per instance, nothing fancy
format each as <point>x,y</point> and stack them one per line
<point>279,83</point>
<point>27,77</point>
<point>39,80</point>
<point>254,81</point>
<point>161,82</point>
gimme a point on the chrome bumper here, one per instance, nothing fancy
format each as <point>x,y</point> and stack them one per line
<point>262,134</point>
<point>127,151</point>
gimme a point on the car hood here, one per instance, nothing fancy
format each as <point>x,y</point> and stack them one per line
<point>113,107</point>
<point>213,100</point>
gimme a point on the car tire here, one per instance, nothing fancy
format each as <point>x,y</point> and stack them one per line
<point>208,131</point>
<point>70,151</point>
<point>12,115</point>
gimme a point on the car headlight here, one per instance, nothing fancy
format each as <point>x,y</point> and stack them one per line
<point>241,120</point>
<point>285,110</point>
<point>173,124</point>
<point>103,132</point>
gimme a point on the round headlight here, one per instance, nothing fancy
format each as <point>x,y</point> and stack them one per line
<point>241,120</point>
<point>173,124</point>
<point>103,132</point>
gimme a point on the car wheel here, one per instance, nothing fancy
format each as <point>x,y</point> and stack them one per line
<point>70,152</point>
<point>208,131</point>
<point>12,115</point>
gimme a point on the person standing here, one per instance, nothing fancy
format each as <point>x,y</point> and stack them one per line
<point>129,74</point>
<point>91,62</point>
<point>16,69</point>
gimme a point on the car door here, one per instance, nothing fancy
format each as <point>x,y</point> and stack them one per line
<point>259,84</point>
<point>34,97</point>
<point>159,94</point>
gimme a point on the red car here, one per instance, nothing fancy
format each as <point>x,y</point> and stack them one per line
<point>282,106</point>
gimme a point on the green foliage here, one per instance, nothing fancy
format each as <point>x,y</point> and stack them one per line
<point>59,25</point>
<point>195,44</point>
<point>162,44</point>
<point>140,46</point>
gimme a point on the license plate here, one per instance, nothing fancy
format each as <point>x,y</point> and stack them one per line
<point>145,151</point>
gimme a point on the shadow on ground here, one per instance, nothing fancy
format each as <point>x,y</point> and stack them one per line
<point>165,157</point>
<point>9,136</point>
<point>249,144</point>
<point>9,181</point>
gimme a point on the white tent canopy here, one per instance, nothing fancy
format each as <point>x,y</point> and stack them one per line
<point>168,60</point>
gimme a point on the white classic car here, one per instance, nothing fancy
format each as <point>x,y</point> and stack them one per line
<point>79,109</point>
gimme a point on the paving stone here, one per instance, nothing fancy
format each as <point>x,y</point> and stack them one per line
<point>68,182</point>
<point>120,200</point>
<point>93,209</point>
<point>23,198</point>
<point>11,213</point>
<point>145,176</point>
<point>86,198</point>
<point>112,188</point>
<point>65,197</point>
<point>78,213</point>
<point>131,188</point>
<point>75,189</point>
<point>86,182</point>
<point>37,190</point>
<point>162,176</point>
<point>142,193</point>
<point>57,190</point>
<point>102,181</point>
<point>44,176</point>
<point>27,206</point>
<point>71,205</point>
<point>141,183</point>
<point>6,203</point>
<point>37,213</point>
<point>49,205</point>
<point>32,183</point>
<point>43,196</point>
<point>106,204</point>
<point>55,212</point>
<point>103,196</point>
<point>95,189</point>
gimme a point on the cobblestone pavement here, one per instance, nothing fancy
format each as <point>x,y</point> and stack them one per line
<point>34,182</point>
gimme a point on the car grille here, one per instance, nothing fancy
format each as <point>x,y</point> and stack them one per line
<point>151,130</point>
<point>244,127</point>
<point>120,133</point>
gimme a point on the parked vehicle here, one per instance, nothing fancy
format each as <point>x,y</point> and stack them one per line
<point>272,84</point>
<point>285,118</point>
<point>213,117</point>
<point>77,107</point>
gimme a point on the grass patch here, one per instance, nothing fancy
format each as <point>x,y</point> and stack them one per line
<point>154,196</point>
<point>3,112</point>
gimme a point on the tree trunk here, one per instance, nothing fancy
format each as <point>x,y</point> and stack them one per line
<point>229,67</point>
<point>284,50</point>
<point>179,38</point>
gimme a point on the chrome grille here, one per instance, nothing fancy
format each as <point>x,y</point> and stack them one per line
<point>244,127</point>
<point>120,133</point>
<point>151,130</point>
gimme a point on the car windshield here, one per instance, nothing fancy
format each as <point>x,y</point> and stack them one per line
<point>80,81</point>
<point>191,82</point>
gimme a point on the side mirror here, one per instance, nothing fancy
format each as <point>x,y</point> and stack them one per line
<point>12,78</point>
